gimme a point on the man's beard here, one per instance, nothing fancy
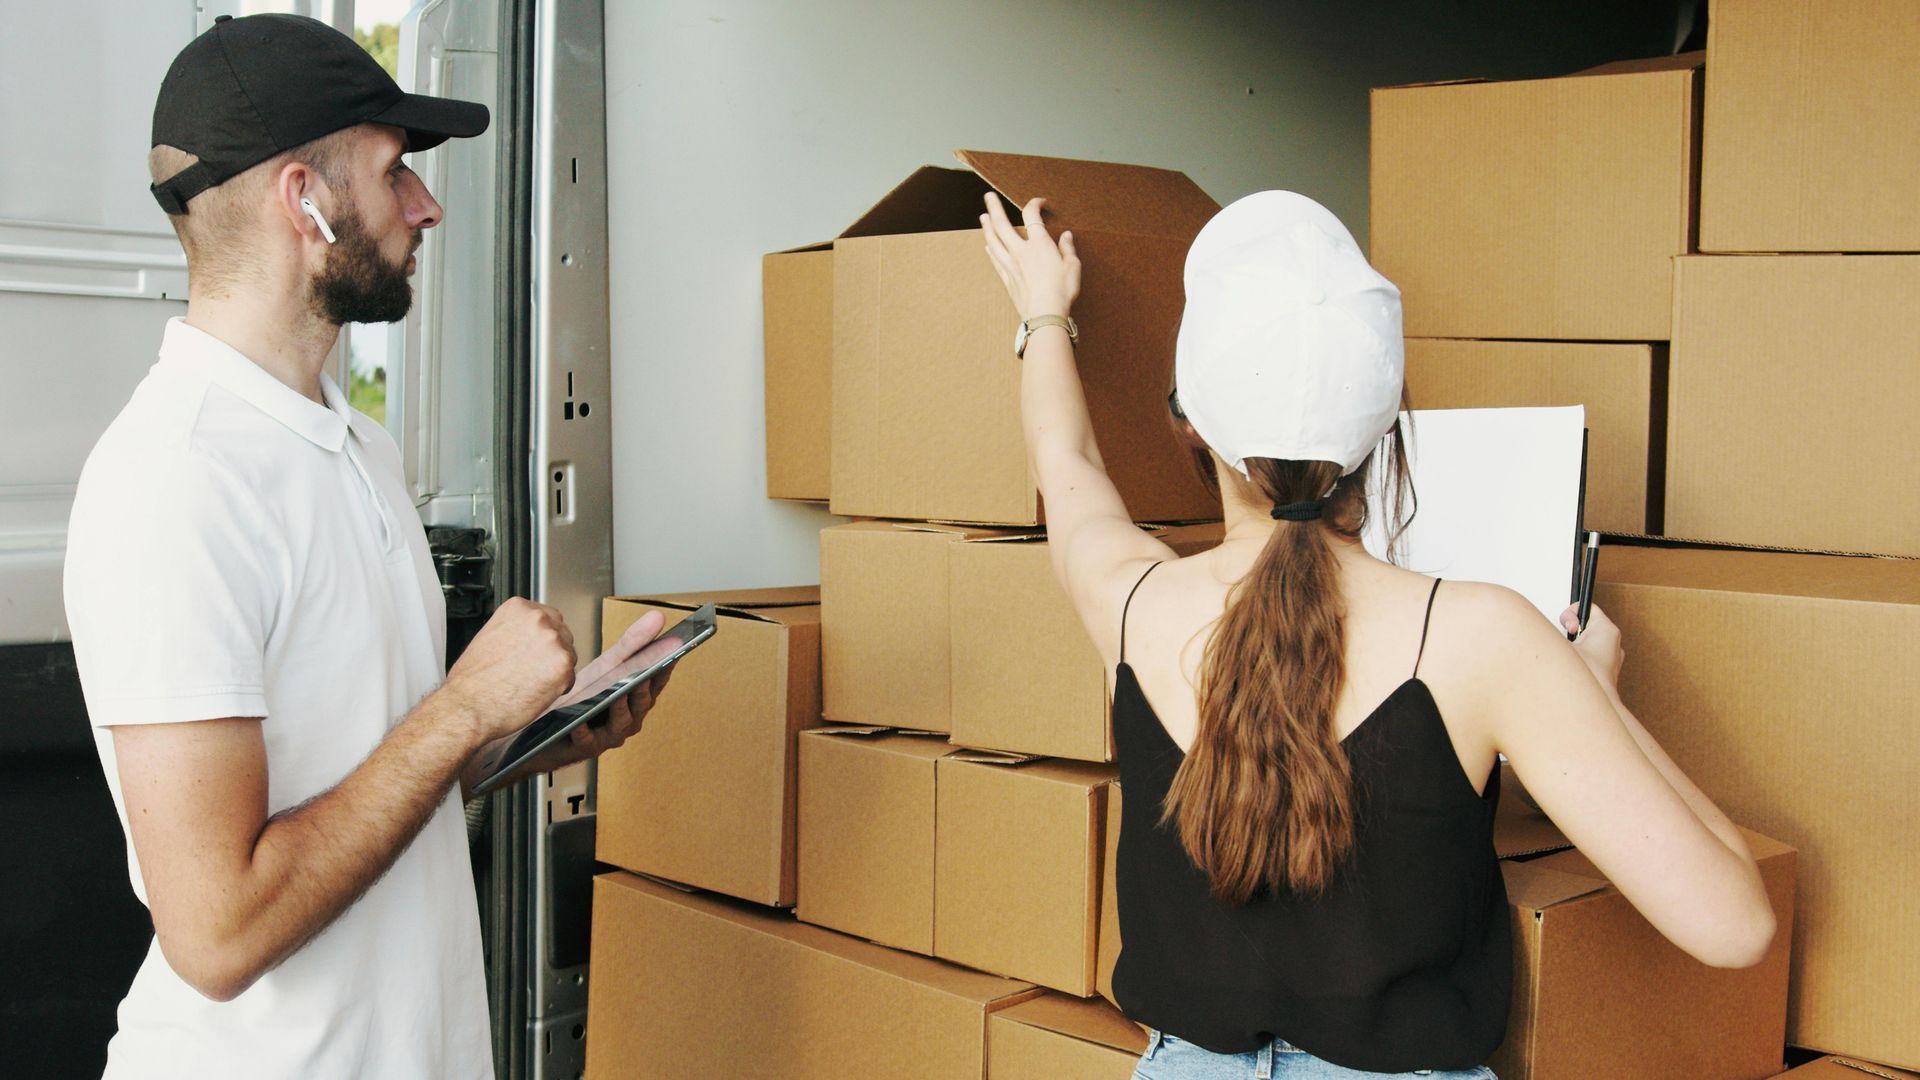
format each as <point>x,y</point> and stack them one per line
<point>357,283</point>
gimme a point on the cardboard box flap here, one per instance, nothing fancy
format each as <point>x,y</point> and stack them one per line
<point>933,199</point>
<point>958,532</point>
<point>1687,61</point>
<point>1468,80</point>
<point>992,757</point>
<point>1097,195</point>
<point>1675,540</point>
<point>1766,573</point>
<point>925,745</point>
<point>787,605</point>
<point>966,984</point>
<point>823,245</point>
<point>1008,538</point>
<point>1537,886</point>
<point>1089,1021</point>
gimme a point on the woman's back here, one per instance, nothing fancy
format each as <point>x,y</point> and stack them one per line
<point>1403,961</point>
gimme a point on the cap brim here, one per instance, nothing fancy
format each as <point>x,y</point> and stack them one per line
<point>430,121</point>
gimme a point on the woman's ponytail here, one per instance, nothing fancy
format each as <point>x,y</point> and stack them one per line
<point>1263,801</point>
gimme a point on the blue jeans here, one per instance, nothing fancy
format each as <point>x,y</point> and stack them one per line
<point>1170,1058</point>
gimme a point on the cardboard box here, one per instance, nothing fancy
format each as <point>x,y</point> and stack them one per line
<point>796,290</point>
<point>704,794</point>
<point>925,384</point>
<point>690,987</point>
<point>1017,873</point>
<point>1109,943</point>
<point>1546,209</point>
<point>1830,1068</point>
<point>1052,1037</point>
<point>1026,678</point>
<point>1812,138</point>
<point>1784,685</point>
<point>1598,992</point>
<point>866,833</point>
<point>1624,390</point>
<point>884,652</point>
<point>1794,388</point>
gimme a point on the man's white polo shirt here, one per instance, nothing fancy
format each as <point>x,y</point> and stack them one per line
<point>238,550</point>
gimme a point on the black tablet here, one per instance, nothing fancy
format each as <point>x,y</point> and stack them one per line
<point>554,725</point>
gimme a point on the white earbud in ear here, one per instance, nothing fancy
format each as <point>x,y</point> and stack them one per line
<point>314,213</point>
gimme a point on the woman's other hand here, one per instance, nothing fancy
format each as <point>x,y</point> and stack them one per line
<point>1042,277</point>
<point>1598,645</point>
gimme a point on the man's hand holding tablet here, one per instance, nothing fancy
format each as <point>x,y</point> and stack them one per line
<point>609,700</point>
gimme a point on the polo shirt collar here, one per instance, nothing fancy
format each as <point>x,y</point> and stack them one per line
<point>323,425</point>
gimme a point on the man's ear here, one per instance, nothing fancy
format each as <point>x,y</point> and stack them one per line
<point>295,181</point>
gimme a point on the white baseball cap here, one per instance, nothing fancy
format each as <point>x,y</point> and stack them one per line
<point>1290,347</point>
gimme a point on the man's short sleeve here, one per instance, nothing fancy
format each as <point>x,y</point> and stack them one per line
<point>169,593</point>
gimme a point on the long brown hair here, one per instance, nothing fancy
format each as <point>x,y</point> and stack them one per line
<point>1263,800</point>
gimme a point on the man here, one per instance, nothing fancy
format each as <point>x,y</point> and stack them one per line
<point>258,627</point>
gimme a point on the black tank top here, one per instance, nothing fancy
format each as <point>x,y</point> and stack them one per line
<point>1403,963</point>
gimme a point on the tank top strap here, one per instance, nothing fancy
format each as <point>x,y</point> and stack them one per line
<point>1425,625</point>
<point>1124,607</point>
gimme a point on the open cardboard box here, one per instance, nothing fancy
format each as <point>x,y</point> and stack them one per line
<point>1548,209</point>
<point>688,986</point>
<point>926,403</point>
<point>704,794</point>
<point>1784,685</point>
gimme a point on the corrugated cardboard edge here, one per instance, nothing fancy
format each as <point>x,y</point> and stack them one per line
<point>973,756</point>
<point>1687,61</point>
<point>1869,1068</point>
<point>1650,540</point>
<point>1652,65</point>
<point>823,245</point>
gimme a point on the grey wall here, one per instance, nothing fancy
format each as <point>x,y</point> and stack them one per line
<point>737,128</point>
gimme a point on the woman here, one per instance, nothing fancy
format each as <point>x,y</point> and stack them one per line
<point>1307,735</point>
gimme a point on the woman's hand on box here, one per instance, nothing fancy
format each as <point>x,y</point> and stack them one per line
<point>1042,277</point>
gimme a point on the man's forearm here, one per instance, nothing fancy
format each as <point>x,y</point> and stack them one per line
<point>313,861</point>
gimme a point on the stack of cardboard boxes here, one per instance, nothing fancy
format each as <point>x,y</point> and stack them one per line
<point>870,828</point>
<point>914,756</point>
<point>1700,251</point>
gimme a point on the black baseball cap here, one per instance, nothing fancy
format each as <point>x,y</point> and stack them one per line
<point>252,87</point>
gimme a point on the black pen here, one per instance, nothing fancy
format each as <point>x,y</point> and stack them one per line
<point>1590,565</point>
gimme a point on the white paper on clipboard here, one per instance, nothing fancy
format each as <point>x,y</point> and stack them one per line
<point>1499,499</point>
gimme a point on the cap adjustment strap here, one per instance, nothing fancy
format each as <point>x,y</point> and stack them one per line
<point>172,193</point>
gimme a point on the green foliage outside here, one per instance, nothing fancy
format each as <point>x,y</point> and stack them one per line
<point>368,393</point>
<point>383,42</point>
